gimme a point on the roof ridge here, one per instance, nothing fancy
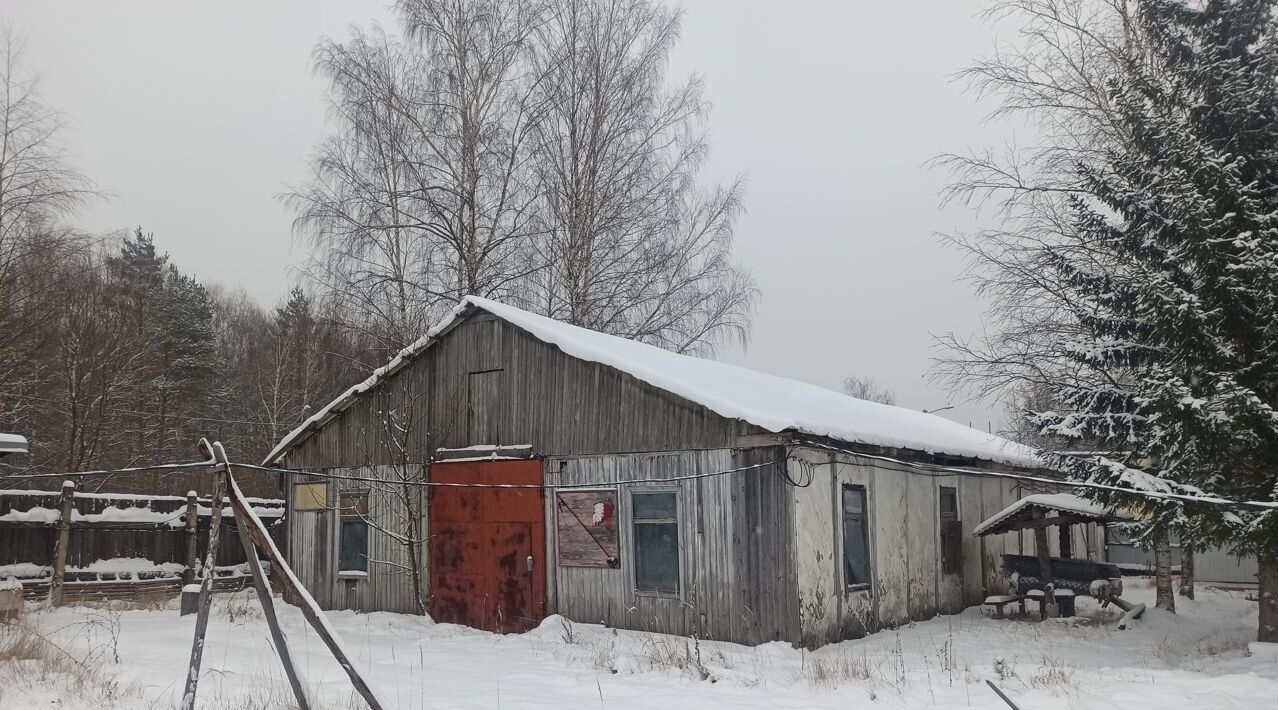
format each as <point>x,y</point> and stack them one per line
<point>772,402</point>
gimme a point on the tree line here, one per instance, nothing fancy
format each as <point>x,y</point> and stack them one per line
<point>116,358</point>
<point>531,151</point>
<point>1133,268</point>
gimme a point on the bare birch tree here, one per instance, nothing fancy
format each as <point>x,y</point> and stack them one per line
<point>38,187</point>
<point>529,151</point>
<point>419,197</point>
<point>399,455</point>
<point>866,388</point>
<point>632,244</point>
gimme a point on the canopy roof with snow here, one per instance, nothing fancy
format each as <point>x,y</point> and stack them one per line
<point>773,403</point>
<point>12,444</point>
<point>1064,508</point>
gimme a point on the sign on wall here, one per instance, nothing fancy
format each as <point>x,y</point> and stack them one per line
<point>586,523</point>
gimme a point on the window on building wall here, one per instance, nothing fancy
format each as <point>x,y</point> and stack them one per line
<point>951,532</point>
<point>655,524</point>
<point>856,538</point>
<point>310,496</point>
<point>352,548</point>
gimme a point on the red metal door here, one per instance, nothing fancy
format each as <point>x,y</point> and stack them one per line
<point>488,546</point>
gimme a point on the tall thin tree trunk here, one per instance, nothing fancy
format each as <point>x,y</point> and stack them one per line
<point>1268,577</point>
<point>1163,573</point>
<point>1186,571</point>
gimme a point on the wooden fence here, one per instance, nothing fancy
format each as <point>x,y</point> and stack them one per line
<point>120,545</point>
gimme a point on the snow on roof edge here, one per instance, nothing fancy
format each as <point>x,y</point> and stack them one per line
<point>877,424</point>
<point>415,348</point>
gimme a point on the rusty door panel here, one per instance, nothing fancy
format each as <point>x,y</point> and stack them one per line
<point>480,542</point>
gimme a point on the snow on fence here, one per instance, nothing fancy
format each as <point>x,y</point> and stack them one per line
<point>119,544</point>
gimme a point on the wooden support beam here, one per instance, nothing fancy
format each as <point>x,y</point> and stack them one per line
<point>66,508</point>
<point>244,521</point>
<point>1066,542</point>
<point>293,589</point>
<point>1041,549</point>
<point>206,595</point>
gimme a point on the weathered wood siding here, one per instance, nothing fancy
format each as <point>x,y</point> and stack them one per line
<point>313,549</point>
<point>734,539</point>
<point>905,544</point>
<point>488,382</point>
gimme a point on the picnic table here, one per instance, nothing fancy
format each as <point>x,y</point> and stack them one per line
<point>1054,582</point>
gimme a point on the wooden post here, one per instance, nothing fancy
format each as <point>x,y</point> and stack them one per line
<point>206,596</point>
<point>65,508</point>
<point>192,537</point>
<point>1066,541</point>
<point>1041,549</point>
<point>243,522</point>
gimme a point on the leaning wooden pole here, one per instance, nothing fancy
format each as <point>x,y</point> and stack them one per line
<point>294,589</point>
<point>206,590</point>
<point>244,521</point>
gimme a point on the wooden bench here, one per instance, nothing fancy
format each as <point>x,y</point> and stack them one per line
<point>1064,601</point>
<point>998,602</point>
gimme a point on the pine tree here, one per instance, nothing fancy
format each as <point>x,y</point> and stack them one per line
<point>139,274</point>
<point>1172,276</point>
<point>191,384</point>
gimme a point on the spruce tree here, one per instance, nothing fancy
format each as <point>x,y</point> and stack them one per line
<point>1172,276</point>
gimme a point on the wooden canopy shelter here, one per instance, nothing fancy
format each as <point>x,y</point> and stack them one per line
<point>1046,509</point>
<point>1053,579</point>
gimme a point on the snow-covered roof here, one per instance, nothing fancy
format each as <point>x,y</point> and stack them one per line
<point>774,403</point>
<point>12,444</point>
<point>1014,516</point>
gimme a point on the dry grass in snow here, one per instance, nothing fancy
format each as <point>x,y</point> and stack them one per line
<point>133,656</point>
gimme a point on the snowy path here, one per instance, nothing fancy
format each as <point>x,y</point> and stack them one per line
<point>1197,659</point>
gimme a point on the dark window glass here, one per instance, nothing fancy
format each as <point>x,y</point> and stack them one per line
<point>951,532</point>
<point>649,506</point>
<point>949,502</point>
<point>352,547</point>
<point>656,536</point>
<point>856,539</point>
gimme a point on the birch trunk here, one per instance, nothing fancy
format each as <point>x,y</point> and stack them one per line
<point>1268,577</point>
<point>1187,571</point>
<point>1163,573</point>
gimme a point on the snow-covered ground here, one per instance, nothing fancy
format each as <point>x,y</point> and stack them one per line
<point>136,659</point>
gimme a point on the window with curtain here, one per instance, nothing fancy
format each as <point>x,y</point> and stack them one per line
<point>655,525</point>
<point>856,538</point>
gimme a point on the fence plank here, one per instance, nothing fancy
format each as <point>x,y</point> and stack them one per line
<point>192,536</point>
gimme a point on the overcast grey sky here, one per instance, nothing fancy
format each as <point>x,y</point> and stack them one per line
<point>196,116</point>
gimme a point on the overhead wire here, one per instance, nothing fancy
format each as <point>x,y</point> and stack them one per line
<point>806,469</point>
<point>110,472</point>
<point>983,473</point>
<point>526,486</point>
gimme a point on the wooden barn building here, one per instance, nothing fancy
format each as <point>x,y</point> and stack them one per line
<point>646,490</point>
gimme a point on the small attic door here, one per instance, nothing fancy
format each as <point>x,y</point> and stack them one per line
<point>483,410</point>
